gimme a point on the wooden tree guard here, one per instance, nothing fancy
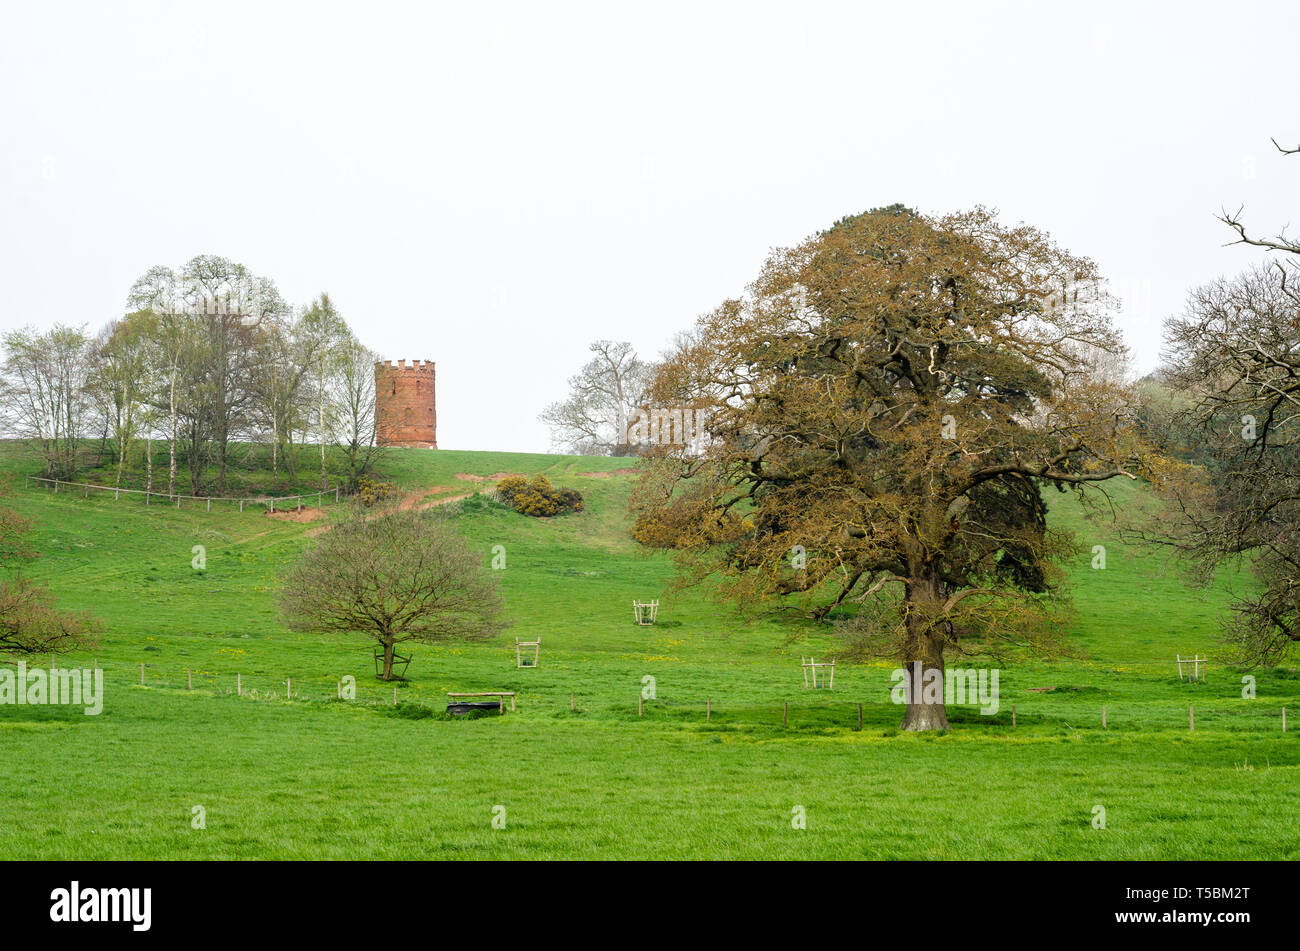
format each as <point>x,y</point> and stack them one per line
<point>404,660</point>
<point>811,664</point>
<point>519,652</point>
<point>645,612</point>
<point>1195,661</point>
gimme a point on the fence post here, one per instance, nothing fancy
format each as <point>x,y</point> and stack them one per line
<point>1103,718</point>
<point>239,685</point>
<point>708,709</point>
<point>638,704</point>
<point>785,713</point>
<point>288,688</point>
<point>189,679</point>
<point>572,705</point>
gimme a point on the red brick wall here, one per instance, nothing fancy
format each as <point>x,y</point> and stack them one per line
<point>407,413</point>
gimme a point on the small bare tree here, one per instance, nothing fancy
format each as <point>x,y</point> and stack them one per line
<point>393,576</point>
<point>603,396</point>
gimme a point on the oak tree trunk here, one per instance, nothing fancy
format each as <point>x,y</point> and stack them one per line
<point>922,654</point>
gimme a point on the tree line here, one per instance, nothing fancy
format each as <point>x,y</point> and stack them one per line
<point>209,361</point>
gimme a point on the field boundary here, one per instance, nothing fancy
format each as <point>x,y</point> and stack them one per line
<point>338,493</point>
<point>686,710</point>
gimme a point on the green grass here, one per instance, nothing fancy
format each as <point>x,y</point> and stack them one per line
<point>312,777</point>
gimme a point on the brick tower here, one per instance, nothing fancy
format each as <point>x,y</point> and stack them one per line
<point>405,411</point>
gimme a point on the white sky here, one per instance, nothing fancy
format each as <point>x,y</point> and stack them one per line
<point>494,186</point>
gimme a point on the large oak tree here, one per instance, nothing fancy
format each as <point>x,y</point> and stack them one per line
<point>889,400</point>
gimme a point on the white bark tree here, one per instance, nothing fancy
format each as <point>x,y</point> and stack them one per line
<point>603,396</point>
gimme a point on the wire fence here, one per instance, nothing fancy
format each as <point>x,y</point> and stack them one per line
<point>724,712</point>
<point>280,503</point>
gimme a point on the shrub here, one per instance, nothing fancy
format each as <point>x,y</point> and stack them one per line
<point>507,489</point>
<point>371,491</point>
<point>537,497</point>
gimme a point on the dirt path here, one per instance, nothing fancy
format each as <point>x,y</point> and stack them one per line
<point>610,472</point>
<point>410,501</point>
<point>494,477</point>
<point>306,514</point>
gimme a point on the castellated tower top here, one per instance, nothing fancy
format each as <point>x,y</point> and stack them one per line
<point>406,412</point>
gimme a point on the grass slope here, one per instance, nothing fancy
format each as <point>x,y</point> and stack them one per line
<point>312,777</point>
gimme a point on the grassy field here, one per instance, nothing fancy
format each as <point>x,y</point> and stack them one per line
<point>309,776</point>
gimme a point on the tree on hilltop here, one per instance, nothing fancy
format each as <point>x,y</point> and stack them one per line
<point>604,396</point>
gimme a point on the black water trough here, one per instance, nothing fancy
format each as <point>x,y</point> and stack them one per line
<point>459,708</point>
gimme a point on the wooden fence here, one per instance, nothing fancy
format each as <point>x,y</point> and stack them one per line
<point>280,503</point>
